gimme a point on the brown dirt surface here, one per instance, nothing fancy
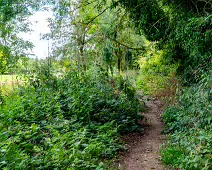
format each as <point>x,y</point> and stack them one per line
<point>143,150</point>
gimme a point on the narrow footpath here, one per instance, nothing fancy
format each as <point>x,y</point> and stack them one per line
<point>144,149</point>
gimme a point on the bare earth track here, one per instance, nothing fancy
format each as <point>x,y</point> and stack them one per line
<point>144,149</point>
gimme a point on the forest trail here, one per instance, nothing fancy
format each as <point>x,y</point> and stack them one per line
<point>144,150</point>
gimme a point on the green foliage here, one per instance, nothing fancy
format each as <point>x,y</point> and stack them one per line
<point>156,73</point>
<point>148,17</point>
<point>97,34</point>
<point>13,17</point>
<point>114,101</point>
<point>72,122</point>
<point>182,28</point>
<point>108,57</point>
<point>190,124</point>
<point>172,155</point>
<point>199,7</point>
<point>190,44</point>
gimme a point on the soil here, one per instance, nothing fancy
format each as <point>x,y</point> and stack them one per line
<point>143,150</point>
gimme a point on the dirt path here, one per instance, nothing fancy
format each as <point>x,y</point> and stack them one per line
<point>144,150</point>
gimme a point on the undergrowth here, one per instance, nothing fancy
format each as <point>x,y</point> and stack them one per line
<point>157,74</point>
<point>189,123</point>
<point>72,122</point>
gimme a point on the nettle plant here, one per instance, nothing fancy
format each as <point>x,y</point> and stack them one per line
<point>74,123</point>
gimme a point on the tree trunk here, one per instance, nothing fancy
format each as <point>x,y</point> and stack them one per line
<point>83,59</point>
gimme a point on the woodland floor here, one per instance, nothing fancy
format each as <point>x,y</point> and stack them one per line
<point>144,150</point>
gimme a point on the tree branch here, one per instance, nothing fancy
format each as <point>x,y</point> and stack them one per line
<point>133,48</point>
<point>97,16</point>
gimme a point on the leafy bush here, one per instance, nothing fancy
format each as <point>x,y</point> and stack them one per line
<point>190,124</point>
<point>74,123</point>
<point>156,73</point>
<point>190,45</point>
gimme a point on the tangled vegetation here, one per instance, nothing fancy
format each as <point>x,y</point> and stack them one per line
<point>73,122</point>
<point>190,124</point>
<point>182,31</point>
<point>157,75</point>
